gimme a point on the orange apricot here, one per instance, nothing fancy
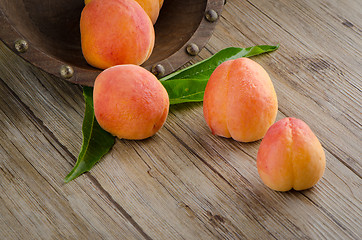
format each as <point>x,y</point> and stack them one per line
<point>290,156</point>
<point>240,100</point>
<point>130,102</point>
<point>161,3</point>
<point>151,7</point>
<point>115,32</point>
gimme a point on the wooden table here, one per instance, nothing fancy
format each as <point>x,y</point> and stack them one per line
<point>185,183</point>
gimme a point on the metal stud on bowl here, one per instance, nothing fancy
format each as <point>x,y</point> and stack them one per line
<point>66,71</point>
<point>21,45</point>
<point>192,49</point>
<point>158,70</point>
<point>211,15</point>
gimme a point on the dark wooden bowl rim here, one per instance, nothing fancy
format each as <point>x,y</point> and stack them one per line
<point>86,75</point>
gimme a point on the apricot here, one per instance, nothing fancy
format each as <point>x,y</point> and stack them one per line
<point>290,156</point>
<point>115,32</point>
<point>151,7</point>
<point>161,3</point>
<point>240,100</point>
<point>130,102</point>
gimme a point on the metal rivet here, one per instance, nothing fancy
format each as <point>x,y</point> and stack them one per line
<point>158,70</point>
<point>66,71</point>
<point>211,15</point>
<point>21,45</point>
<point>192,49</point>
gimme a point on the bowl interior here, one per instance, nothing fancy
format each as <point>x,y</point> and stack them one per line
<point>53,26</point>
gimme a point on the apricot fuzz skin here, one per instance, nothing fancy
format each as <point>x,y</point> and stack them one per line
<point>130,102</point>
<point>240,100</point>
<point>290,156</point>
<point>115,32</point>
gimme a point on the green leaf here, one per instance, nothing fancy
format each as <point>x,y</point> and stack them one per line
<point>96,141</point>
<point>188,84</point>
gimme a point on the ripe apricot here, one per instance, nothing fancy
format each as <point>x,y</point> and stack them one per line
<point>130,102</point>
<point>161,3</point>
<point>151,7</point>
<point>290,156</point>
<point>240,100</point>
<point>115,32</point>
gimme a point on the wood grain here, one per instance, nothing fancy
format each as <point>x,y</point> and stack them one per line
<point>185,183</point>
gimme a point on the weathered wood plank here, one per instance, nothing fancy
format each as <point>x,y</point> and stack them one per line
<point>185,183</point>
<point>36,203</point>
<point>236,163</point>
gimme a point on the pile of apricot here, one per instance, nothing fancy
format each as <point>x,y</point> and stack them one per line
<point>239,102</point>
<point>118,35</point>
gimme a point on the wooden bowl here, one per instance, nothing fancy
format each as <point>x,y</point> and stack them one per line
<point>46,33</point>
